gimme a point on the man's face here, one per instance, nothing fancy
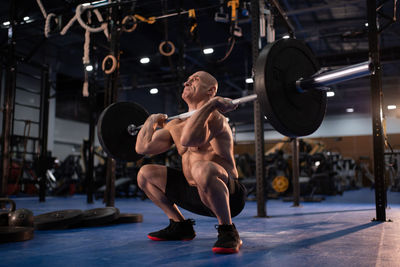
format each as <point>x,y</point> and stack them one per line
<point>193,88</point>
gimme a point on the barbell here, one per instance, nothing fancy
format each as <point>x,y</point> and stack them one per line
<point>288,84</point>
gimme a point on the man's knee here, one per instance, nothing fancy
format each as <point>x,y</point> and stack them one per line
<point>144,175</point>
<point>150,173</point>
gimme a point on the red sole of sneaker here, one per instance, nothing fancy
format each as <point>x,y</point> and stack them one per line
<point>155,238</point>
<point>225,250</point>
<point>219,250</point>
<point>160,239</point>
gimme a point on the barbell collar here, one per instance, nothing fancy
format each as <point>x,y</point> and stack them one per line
<point>321,81</point>
<point>133,129</point>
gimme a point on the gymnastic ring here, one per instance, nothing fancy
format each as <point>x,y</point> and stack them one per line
<point>125,20</point>
<point>161,48</point>
<point>78,11</point>
<point>113,66</point>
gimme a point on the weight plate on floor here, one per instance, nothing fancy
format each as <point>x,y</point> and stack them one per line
<point>61,219</point>
<point>112,129</point>
<point>15,233</point>
<point>129,218</point>
<point>99,216</point>
<point>278,67</point>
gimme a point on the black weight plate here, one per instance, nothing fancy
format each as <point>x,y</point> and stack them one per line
<point>99,216</point>
<point>112,129</point>
<point>278,67</point>
<point>61,219</point>
<point>15,233</point>
<point>128,218</point>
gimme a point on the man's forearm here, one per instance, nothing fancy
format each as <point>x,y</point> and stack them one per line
<point>144,137</point>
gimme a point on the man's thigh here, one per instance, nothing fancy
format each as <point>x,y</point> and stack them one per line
<point>184,195</point>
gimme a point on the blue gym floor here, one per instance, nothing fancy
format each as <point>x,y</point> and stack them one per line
<point>335,232</point>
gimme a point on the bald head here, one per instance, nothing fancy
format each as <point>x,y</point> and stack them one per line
<point>199,88</point>
<point>208,80</point>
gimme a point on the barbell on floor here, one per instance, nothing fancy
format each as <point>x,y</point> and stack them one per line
<point>288,85</point>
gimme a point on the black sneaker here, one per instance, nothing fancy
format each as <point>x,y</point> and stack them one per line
<point>228,239</point>
<point>175,231</point>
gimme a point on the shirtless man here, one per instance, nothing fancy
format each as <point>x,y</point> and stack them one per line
<point>207,184</point>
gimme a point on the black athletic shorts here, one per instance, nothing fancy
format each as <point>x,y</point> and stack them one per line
<point>187,197</point>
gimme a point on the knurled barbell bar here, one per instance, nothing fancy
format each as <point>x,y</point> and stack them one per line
<point>134,129</point>
<point>288,85</point>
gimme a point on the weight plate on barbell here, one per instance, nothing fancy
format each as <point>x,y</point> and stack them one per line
<point>112,129</point>
<point>278,67</point>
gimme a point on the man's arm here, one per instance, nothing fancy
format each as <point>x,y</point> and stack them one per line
<point>153,141</point>
<point>203,124</point>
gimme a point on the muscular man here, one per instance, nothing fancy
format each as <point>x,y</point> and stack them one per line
<point>207,184</point>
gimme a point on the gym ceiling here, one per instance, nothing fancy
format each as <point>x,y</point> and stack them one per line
<point>335,30</point>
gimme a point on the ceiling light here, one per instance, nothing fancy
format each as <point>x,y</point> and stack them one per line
<point>286,36</point>
<point>153,91</point>
<point>207,51</point>
<point>144,60</point>
<point>366,24</point>
<point>89,68</point>
<point>6,23</point>
<point>349,110</point>
<point>249,80</point>
<point>26,18</point>
<point>330,94</point>
<point>391,107</point>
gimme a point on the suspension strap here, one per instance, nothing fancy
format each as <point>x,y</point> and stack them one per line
<point>149,20</point>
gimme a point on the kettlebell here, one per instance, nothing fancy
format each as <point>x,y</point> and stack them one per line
<point>20,217</point>
<point>4,212</point>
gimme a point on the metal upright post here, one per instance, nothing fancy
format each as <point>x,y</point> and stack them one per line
<point>181,72</point>
<point>90,158</point>
<point>111,97</point>
<point>258,117</point>
<point>9,95</point>
<point>43,131</point>
<point>1,84</point>
<point>376,99</point>
<point>295,172</point>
